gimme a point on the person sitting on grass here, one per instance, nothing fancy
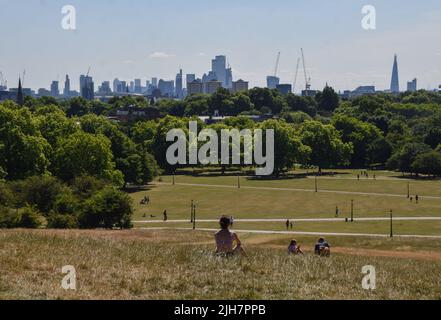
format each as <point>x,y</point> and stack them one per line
<point>225,240</point>
<point>294,248</point>
<point>322,248</point>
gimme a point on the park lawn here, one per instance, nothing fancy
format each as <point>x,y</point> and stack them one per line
<point>432,228</point>
<point>140,264</point>
<point>386,183</point>
<point>213,202</point>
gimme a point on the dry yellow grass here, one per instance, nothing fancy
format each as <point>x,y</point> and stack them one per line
<point>138,264</point>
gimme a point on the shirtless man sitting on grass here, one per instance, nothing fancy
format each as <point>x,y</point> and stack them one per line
<point>225,240</point>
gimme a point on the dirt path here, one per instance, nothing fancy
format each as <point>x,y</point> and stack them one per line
<point>363,252</point>
<point>420,255</point>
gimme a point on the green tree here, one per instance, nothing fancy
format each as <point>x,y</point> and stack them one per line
<point>23,151</point>
<point>109,208</point>
<point>428,163</point>
<point>265,100</point>
<point>197,105</point>
<point>86,154</point>
<point>41,192</point>
<point>327,100</point>
<point>288,148</point>
<point>220,101</point>
<point>360,134</point>
<point>325,142</point>
<point>307,105</point>
<point>160,144</point>
<point>403,159</point>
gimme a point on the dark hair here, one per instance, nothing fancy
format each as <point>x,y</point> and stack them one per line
<point>293,242</point>
<point>225,222</point>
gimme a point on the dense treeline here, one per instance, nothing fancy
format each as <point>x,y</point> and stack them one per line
<point>63,163</point>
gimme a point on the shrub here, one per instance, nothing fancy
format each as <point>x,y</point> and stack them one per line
<point>41,192</point>
<point>66,203</point>
<point>109,208</point>
<point>85,186</point>
<point>8,218</point>
<point>61,221</point>
<point>6,195</point>
<point>29,218</point>
<point>428,163</point>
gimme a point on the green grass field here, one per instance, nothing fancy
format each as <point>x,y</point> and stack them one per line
<point>295,197</point>
<point>140,264</point>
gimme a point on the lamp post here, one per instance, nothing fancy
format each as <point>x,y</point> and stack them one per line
<point>191,211</point>
<point>352,210</point>
<point>391,225</point>
<point>194,217</point>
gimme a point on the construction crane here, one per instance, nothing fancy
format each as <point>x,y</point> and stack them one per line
<point>23,77</point>
<point>307,79</point>
<point>88,71</point>
<point>297,74</point>
<point>277,65</point>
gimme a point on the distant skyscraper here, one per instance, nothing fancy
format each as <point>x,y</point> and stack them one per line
<point>104,88</point>
<point>116,85</point>
<point>219,67</point>
<point>155,82</point>
<point>179,87</point>
<point>138,86</point>
<point>412,85</point>
<point>272,82</point>
<point>190,78</point>
<point>239,85</point>
<point>55,92</point>
<point>87,90</point>
<point>167,88</point>
<point>284,89</point>
<point>211,87</point>
<point>66,91</point>
<point>195,87</point>
<point>229,79</point>
<point>395,83</point>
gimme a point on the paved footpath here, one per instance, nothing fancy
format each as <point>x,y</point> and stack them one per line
<point>301,220</point>
<point>306,233</point>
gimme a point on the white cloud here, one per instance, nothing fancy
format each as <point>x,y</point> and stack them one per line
<point>161,55</point>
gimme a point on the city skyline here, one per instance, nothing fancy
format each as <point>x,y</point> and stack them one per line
<point>117,41</point>
<point>219,76</point>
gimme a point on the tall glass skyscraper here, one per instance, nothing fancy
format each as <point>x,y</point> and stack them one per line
<point>179,86</point>
<point>395,83</point>
<point>219,67</point>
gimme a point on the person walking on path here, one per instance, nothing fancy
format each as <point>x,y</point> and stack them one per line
<point>165,216</point>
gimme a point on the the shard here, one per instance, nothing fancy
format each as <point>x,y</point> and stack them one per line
<point>395,83</point>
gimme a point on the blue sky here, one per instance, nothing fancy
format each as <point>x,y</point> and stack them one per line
<point>144,38</point>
